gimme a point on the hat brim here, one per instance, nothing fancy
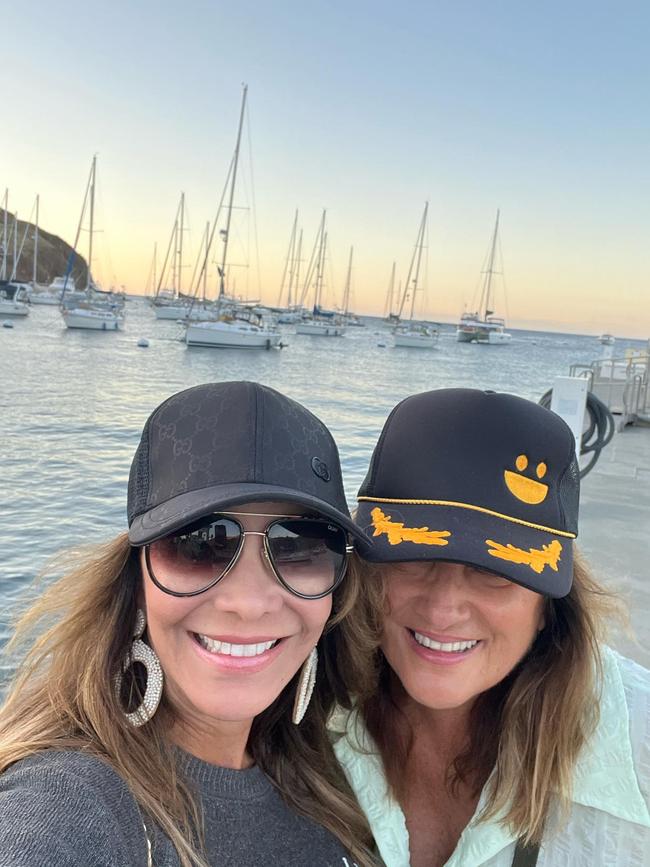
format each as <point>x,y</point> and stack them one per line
<point>534,558</point>
<point>188,507</point>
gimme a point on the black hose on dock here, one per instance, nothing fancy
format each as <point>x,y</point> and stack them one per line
<point>599,431</point>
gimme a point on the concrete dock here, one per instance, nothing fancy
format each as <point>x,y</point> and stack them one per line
<point>615,530</point>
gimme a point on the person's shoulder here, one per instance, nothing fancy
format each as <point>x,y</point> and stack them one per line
<point>634,678</point>
<point>635,682</point>
<point>70,808</point>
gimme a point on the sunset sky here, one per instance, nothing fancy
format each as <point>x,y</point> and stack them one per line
<point>367,109</point>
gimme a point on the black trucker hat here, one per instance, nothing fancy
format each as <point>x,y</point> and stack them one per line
<point>475,477</point>
<point>226,443</point>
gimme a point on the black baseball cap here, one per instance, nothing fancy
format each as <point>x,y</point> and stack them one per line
<point>475,477</point>
<point>226,443</point>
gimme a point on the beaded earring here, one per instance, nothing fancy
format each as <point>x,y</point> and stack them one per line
<point>305,687</point>
<point>141,652</point>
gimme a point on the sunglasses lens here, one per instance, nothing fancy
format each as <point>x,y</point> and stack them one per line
<point>193,558</point>
<point>308,554</point>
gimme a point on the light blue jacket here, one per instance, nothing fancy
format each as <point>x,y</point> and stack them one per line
<point>609,823</point>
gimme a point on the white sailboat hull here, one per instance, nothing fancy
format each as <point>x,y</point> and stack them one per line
<point>416,341</point>
<point>13,308</point>
<point>44,298</point>
<point>320,329</point>
<point>171,311</point>
<point>231,335</point>
<point>465,335</point>
<point>495,338</point>
<point>92,320</point>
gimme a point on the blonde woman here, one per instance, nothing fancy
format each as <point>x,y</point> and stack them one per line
<point>164,713</point>
<point>500,729</point>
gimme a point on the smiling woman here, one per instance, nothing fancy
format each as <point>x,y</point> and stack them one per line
<point>499,729</point>
<point>171,692</point>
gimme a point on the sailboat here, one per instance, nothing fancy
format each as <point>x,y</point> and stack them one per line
<point>348,317</point>
<point>97,310</point>
<point>236,327</point>
<point>483,326</point>
<point>292,311</point>
<point>410,333</point>
<point>170,303</point>
<point>14,299</point>
<point>320,322</point>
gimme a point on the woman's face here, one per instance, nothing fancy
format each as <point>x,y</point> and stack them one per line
<point>210,682</point>
<point>452,632</point>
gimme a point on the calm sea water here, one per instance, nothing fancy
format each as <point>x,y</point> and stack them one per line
<point>73,405</point>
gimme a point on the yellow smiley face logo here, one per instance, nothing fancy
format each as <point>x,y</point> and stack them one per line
<point>522,487</point>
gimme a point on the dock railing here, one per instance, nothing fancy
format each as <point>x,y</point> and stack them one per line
<point>622,383</point>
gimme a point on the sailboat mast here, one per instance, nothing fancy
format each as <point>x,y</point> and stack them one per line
<point>3,275</point>
<point>205,260</point>
<point>35,264</point>
<point>289,263</point>
<point>180,245</point>
<point>391,292</point>
<point>298,260</point>
<point>490,268</point>
<point>155,257</point>
<point>346,294</point>
<point>419,246</point>
<point>15,262</point>
<point>92,219</point>
<point>222,272</point>
<point>320,262</point>
<point>292,266</point>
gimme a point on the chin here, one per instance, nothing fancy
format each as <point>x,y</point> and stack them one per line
<point>437,697</point>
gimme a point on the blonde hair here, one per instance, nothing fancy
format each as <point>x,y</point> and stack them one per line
<point>63,698</point>
<point>526,732</point>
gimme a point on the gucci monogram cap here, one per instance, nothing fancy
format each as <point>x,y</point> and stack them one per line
<point>222,444</point>
<point>475,477</point>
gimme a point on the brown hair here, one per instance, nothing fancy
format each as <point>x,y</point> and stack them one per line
<point>63,698</point>
<point>527,731</point>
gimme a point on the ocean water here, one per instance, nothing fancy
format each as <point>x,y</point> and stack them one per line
<point>73,404</point>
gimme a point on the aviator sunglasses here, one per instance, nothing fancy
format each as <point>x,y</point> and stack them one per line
<point>307,555</point>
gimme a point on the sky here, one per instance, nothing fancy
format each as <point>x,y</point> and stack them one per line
<point>366,109</point>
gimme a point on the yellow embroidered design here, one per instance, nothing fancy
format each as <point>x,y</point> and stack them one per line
<point>398,533</point>
<point>400,501</point>
<point>525,489</point>
<point>537,559</point>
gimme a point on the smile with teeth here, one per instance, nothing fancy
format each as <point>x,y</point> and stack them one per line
<point>227,648</point>
<point>445,647</point>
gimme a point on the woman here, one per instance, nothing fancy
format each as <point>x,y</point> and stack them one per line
<point>164,717</point>
<point>501,730</point>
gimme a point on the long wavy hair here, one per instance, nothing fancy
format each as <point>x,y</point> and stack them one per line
<point>527,731</point>
<point>62,697</point>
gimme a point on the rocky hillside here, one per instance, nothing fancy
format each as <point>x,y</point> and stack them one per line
<point>53,254</point>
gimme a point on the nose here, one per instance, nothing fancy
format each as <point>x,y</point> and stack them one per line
<point>445,598</point>
<point>250,590</point>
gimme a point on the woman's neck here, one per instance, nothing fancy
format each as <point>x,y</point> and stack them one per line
<point>447,729</point>
<point>219,742</point>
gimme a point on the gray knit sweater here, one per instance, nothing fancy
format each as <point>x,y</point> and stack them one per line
<point>68,809</point>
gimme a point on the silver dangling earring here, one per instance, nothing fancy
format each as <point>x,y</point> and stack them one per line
<point>141,652</point>
<point>306,685</point>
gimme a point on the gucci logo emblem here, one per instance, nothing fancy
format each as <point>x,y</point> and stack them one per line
<point>320,468</point>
